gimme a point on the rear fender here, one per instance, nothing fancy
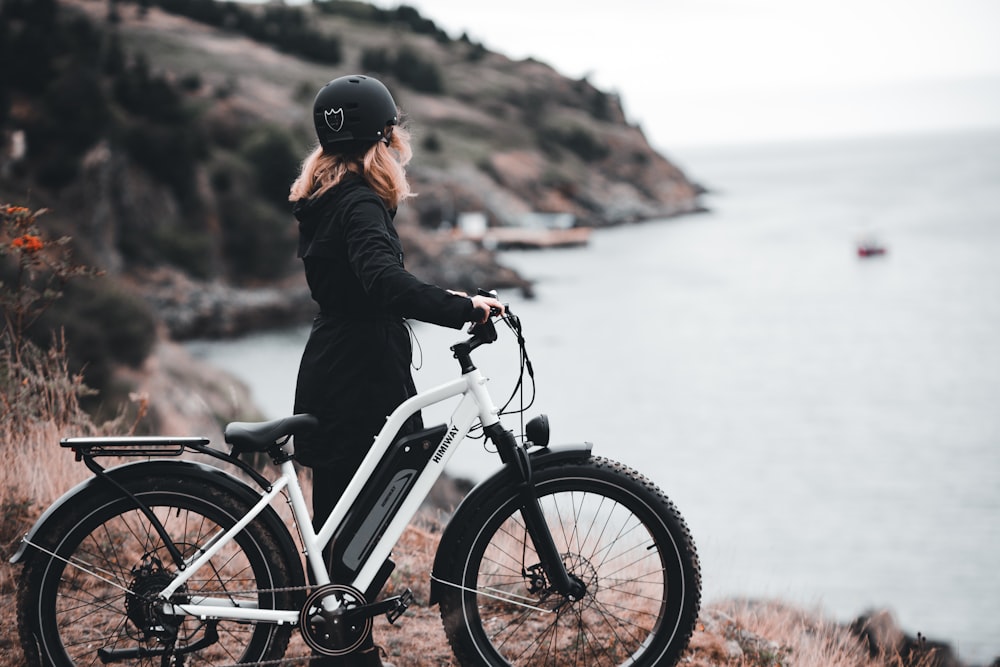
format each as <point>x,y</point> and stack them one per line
<point>504,478</point>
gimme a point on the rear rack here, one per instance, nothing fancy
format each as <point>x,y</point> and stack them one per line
<point>88,449</point>
<point>132,445</point>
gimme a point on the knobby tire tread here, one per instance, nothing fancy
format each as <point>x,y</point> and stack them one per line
<point>451,605</point>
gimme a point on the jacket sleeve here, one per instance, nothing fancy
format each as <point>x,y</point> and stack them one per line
<point>377,261</point>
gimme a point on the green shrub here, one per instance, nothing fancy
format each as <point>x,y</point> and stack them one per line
<point>403,14</point>
<point>30,40</point>
<point>191,82</point>
<point>601,105</point>
<point>432,143</point>
<point>376,60</point>
<point>258,240</point>
<point>148,95</point>
<point>275,162</point>
<point>56,172</point>
<point>412,69</point>
<point>77,112</point>
<point>575,139</point>
<point>407,65</point>
<point>285,27</point>
<point>476,51</point>
<point>188,249</point>
<point>104,326</point>
<point>168,153</point>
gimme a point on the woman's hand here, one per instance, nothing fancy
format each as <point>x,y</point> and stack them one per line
<point>487,304</point>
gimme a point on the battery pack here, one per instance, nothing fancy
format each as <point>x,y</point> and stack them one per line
<point>380,499</point>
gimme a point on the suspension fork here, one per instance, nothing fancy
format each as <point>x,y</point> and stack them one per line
<point>551,560</point>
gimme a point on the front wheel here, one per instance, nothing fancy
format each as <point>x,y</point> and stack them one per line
<point>91,596</point>
<point>617,533</point>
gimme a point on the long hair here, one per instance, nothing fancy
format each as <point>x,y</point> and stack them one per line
<point>383,167</point>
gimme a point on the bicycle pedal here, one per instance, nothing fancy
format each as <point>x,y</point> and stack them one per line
<point>403,603</point>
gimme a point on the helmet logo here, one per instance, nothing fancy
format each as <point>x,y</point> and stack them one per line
<point>334,119</point>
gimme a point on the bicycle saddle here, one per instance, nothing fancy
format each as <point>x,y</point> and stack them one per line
<point>261,436</point>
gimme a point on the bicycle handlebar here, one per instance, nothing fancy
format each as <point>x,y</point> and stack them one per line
<point>481,333</point>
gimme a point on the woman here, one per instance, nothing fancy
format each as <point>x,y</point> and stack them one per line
<point>355,369</point>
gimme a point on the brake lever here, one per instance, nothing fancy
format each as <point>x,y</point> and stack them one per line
<point>494,312</point>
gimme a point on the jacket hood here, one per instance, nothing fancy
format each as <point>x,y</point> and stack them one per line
<point>352,189</point>
<point>310,212</point>
<point>317,216</point>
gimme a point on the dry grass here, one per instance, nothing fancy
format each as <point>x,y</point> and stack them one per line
<point>741,633</point>
<point>36,471</point>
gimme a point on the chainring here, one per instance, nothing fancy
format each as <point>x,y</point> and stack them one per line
<point>327,631</point>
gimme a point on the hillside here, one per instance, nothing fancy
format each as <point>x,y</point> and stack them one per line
<point>162,135</point>
<point>492,134</point>
<point>221,119</point>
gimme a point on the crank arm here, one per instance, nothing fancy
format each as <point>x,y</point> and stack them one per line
<point>393,608</point>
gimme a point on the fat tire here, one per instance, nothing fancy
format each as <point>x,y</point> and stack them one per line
<point>104,530</point>
<point>618,533</point>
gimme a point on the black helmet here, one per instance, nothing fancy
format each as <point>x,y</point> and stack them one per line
<point>351,113</point>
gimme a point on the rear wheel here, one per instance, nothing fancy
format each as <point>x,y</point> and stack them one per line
<point>617,533</point>
<point>94,601</point>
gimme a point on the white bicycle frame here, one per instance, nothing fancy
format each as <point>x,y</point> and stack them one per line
<point>476,403</point>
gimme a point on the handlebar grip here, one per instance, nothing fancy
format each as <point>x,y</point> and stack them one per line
<point>493,295</point>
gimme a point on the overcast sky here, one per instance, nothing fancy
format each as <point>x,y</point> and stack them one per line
<point>723,71</point>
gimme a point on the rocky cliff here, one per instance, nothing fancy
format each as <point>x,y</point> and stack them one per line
<point>492,134</point>
<point>162,136</point>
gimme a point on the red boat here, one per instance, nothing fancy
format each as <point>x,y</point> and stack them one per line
<point>870,250</point>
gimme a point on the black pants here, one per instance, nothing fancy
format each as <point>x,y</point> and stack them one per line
<point>329,485</point>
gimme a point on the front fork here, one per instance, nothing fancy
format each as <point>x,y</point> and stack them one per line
<point>534,520</point>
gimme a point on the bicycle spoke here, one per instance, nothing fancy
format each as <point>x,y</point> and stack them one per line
<point>618,555</point>
<point>107,567</point>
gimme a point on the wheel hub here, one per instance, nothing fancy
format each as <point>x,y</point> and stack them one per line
<point>142,603</point>
<point>581,569</point>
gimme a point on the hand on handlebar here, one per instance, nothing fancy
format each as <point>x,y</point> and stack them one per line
<point>489,305</point>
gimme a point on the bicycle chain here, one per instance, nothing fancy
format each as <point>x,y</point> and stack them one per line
<point>287,589</point>
<point>277,661</point>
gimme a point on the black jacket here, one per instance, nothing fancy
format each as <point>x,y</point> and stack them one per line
<point>355,369</point>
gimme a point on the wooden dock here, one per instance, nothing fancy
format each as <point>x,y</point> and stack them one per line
<point>529,238</point>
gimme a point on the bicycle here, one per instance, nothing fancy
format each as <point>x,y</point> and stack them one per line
<point>558,558</point>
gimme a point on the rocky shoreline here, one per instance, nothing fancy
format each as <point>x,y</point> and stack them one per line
<point>189,308</point>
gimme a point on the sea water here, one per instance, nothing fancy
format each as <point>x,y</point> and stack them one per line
<point>828,425</point>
